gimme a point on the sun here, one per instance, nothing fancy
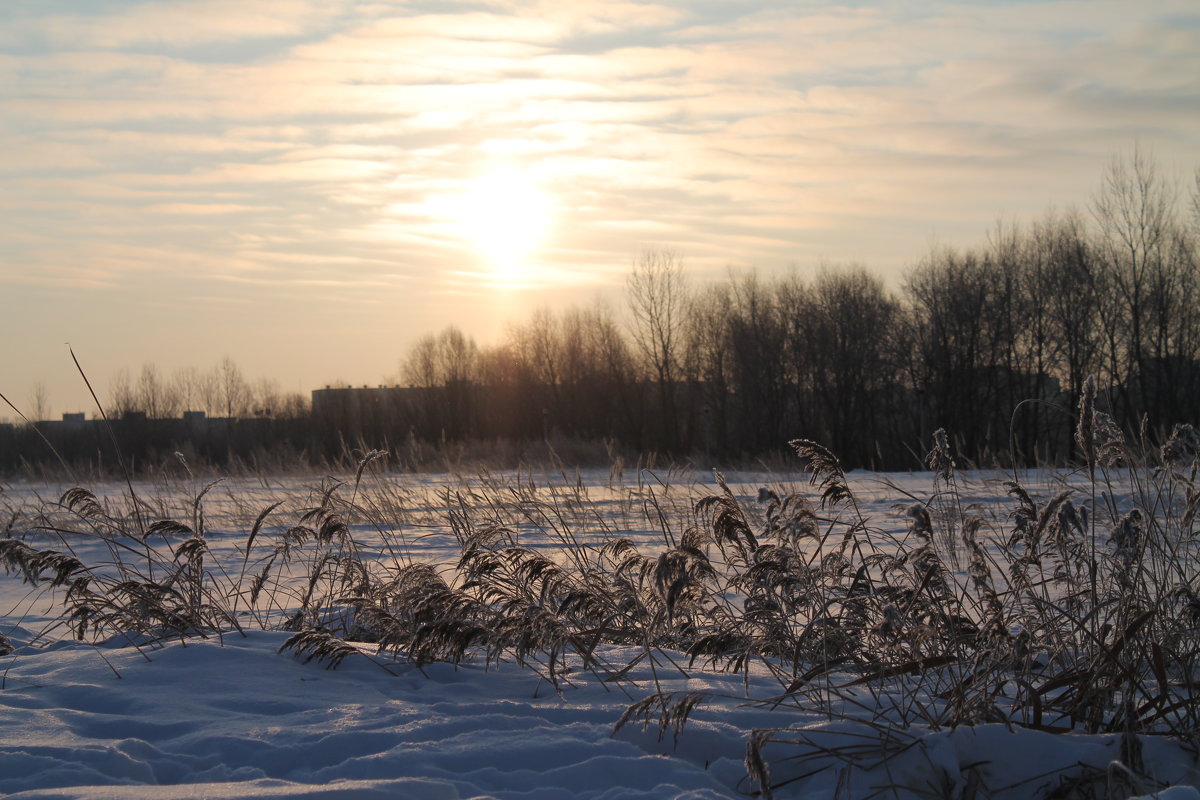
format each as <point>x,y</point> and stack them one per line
<point>505,215</point>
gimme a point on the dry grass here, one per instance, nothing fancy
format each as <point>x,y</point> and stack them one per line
<point>1077,612</point>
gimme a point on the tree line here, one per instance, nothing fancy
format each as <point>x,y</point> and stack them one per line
<point>210,418</point>
<point>221,391</point>
<point>992,342</point>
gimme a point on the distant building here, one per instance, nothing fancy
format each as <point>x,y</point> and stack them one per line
<point>358,401</point>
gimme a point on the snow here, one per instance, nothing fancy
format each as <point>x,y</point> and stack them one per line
<point>233,717</point>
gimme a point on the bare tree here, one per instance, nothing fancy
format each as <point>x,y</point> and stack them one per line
<point>446,365</point>
<point>658,297</point>
<point>756,341</point>
<point>156,397</point>
<point>294,406</point>
<point>595,373</point>
<point>234,392</point>
<point>853,325</point>
<point>447,358</point>
<point>537,348</point>
<point>497,366</point>
<point>1133,210</point>
<point>185,384</point>
<point>612,351</point>
<point>457,356</point>
<point>1064,284</point>
<point>952,314</point>
<point>121,397</point>
<point>39,402</point>
<point>208,391</point>
<point>710,359</point>
<point>265,398</point>
<point>420,368</point>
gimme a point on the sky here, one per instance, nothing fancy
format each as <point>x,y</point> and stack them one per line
<point>308,186</point>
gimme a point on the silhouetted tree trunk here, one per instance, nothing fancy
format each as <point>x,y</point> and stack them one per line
<point>658,299</point>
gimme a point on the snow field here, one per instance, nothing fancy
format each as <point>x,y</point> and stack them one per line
<point>231,716</point>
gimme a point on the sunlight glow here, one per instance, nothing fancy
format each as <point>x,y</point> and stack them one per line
<point>505,215</point>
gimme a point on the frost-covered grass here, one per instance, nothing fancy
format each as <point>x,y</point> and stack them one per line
<point>931,635</point>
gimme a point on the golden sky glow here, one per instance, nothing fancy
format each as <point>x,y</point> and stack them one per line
<point>505,215</point>
<point>310,185</point>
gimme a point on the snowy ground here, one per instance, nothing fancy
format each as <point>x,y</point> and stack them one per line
<point>233,717</point>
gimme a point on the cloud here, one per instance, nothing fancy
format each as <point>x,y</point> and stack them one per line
<point>309,148</point>
<point>179,23</point>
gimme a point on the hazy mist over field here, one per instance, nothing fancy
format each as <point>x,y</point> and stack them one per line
<point>309,187</point>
